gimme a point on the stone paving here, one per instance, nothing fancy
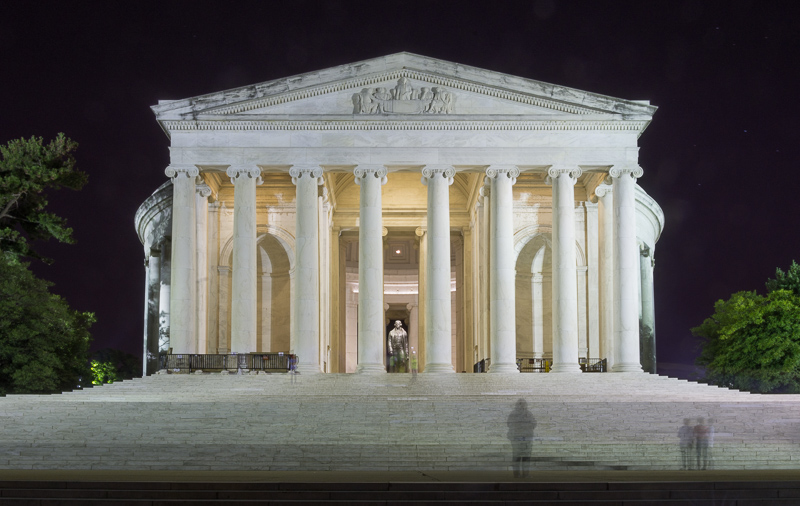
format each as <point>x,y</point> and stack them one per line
<point>340,422</point>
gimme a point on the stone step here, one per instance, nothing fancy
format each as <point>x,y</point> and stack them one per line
<point>389,422</point>
<point>152,493</point>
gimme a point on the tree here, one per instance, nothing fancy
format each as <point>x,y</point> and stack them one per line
<point>103,372</point>
<point>753,342</point>
<point>789,280</point>
<point>125,365</point>
<point>44,344</point>
<point>27,169</point>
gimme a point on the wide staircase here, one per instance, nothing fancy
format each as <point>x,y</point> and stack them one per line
<point>393,422</point>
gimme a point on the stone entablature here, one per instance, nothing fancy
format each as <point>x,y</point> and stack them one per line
<point>460,185</point>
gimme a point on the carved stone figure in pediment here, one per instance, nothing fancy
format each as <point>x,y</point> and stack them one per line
<point>403,90</point>
<point>403,99</point>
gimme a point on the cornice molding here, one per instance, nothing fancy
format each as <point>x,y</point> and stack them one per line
<point>624,126</point>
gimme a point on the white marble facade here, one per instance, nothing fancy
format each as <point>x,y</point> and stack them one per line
<point>498,217</point>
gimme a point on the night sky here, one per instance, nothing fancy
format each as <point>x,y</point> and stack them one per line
<point>721,156</point>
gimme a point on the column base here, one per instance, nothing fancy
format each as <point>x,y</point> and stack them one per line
<point>566,367</point>
<point>627,367</point>
<point>503,369</point>
<point>370,369</point>
<point>439,368</point>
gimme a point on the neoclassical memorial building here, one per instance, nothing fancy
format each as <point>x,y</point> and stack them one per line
<point>497,218</point>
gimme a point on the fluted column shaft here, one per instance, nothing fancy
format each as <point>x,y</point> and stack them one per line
<point>151,307</point>
<point>371,328</point>
<point>244,296</point>
<point>306,294</point>
<point>565,281</point>
<point>648,341</point>
<point>626,266</point>
<point>203,191</point>
<point>605,204</point>
<point>182,279</point>
<point>438,324</point>
<point>538,315</point>
<point>501,258</point>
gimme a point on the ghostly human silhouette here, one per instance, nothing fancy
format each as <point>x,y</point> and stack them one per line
<point>521,424</point>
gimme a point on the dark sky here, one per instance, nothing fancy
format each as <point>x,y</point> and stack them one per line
<point>721,156</point>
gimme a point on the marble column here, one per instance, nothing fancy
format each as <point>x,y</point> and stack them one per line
<point>538,314</point>
<point>305,303</point>
<point>605,204</point>
<point>223,333</point>
<point>501,265</point>
<point>183,278</point>
<point>438,324</point>
<point>371,328</point>
<point>244,296</point>
<point>647,341</point>
<point>565,282</point>
<point>150,359</point>
<point>626,267</point>
<point>422,283</point>
<point>164,296</point>
<point>413,330</point>
<point>203,192</point>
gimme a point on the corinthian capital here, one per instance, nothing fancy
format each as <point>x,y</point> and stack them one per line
<point>633,171</point>
<point>365,171</point>
<point>312,171</point>
<point>432,171</point>
<point>176,171</point>
<point>563,170</point>
<point>241,171</point>
<point>509,171</point>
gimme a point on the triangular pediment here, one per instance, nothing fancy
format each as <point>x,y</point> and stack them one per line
<point>400,85</point>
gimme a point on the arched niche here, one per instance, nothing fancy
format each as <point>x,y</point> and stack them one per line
<point>275,265</point>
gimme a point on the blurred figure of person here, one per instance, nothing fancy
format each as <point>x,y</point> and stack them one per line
<point>293,368</point>
<point>521,424</point>
<point>709,450</point>
<point>414,364</point>
<point>701,443</point>
<point>686,438</point>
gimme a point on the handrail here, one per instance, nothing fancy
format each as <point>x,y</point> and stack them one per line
<point>189,362</point>
<point>540,365</point>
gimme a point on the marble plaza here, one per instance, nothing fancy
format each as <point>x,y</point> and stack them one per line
<point>497,218</point>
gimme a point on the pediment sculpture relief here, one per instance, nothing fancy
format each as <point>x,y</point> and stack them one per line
<point>403,99</point>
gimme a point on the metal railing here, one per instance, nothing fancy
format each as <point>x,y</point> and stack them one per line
<point>534,364</point>
<point>593,364</point>
<point>269,362</point>
<point>482,366</point>
<point>544,364</point>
